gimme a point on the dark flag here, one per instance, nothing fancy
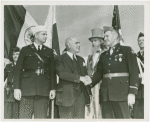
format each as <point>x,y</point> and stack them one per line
<point>116,21</point>
<point>14,17</point>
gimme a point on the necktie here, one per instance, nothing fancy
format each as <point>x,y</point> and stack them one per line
<point>39,49</point>
<point>76,63</point>
<point>111,50</point>
<point>142,53</point>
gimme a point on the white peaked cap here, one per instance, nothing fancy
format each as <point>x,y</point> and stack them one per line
<point>38,29</point>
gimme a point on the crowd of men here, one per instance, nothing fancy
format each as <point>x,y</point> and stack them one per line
<point>109,85</point>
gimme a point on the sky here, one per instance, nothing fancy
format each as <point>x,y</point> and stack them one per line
<point>79,20</point>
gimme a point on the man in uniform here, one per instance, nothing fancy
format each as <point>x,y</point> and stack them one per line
<point>10,104</point>
<point>138,110</point>
<point>118,70</point>
<point>72,91</point>
<point>34,81</point>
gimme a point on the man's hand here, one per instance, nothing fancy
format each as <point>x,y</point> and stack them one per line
<point>17,94</point>
<point>86,80</point>
<point>52,94</point>
<point>131,99</point>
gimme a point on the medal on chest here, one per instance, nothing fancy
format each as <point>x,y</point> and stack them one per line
<point>120,57</point>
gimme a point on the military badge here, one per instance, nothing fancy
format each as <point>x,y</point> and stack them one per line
<point>116,56</point>
<point>120,57</point>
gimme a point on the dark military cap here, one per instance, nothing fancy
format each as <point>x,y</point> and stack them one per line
<point>140,35</point>
<point>16,49</point>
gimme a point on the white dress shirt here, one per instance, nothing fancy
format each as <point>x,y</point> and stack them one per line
<point>95,58</point>
<point>36,45</point>
<point>71,55</point>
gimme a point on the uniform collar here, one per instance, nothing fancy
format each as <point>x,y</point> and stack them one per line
<point>36,46</point>
<point>115,46</point>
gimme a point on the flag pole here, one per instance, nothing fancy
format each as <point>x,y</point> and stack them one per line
<point>52,109</point>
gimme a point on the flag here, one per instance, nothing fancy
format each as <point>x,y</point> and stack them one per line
<point>52,34</point>
<point>16,21</point>
<point>13,21</point>
<point>116,22</point>
<point>52,42</point>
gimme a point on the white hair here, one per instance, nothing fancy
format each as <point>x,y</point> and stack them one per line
<point>68,40</point>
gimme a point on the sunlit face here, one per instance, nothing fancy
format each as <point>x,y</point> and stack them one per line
<point>74,46</point>
<point>141,42</point>
<point>41,36</point>
<point>15,56</point>
<point>96,42</point>
<point>109,38</point>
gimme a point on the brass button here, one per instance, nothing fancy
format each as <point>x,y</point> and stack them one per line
<point>109,58</point>
<point>110,78</point>
<point>109,64</point>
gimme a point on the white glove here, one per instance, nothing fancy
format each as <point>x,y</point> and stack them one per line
<point>86,80</point>
<point>131,99</point>
<point>52,94</point>
<point>17,94</point>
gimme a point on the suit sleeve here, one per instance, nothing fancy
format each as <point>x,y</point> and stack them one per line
<point>19,69</point>
<point>64,74</point>
<point>133,72</point>
<point>98,75</point>
<point>53,78</point>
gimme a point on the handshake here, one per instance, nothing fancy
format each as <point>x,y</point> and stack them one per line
<point>86,80</point>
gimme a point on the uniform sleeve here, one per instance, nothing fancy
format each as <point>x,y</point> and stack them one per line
<point>53,78</point>
<point>64,74</point>
<point>98,75</point>
<point>5,72</point>
<point>89,70</point>
<point>18,70</point>
<point>133,72</point>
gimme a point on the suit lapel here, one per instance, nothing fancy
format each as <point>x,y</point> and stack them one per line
<point>80,63</point>
<point>68,61</point>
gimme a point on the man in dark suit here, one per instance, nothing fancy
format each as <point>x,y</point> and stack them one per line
<point>34,80</point>
<point>118,70</point>
<point>10,104</point>
<point>72,92</point>
<point>138,109</point>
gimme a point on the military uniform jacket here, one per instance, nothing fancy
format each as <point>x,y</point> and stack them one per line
<point>69,83</point>
<point>122,60</point>
<point>25,77</point>
<point>141,86</point>
<point>9,75</point>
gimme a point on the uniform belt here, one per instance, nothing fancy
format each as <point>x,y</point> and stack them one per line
<point>115,75</point>
<point>40,71</point>
<point>36,71</point>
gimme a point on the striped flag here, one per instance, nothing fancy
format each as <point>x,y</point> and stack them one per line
<point>16,21</point>
<point>52,34</point>
<point>116,22</point>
